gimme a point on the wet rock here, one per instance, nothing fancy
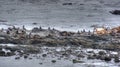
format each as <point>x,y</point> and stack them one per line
<point>25,56</point>
<point>9,54</point>
<point>77,61</point>
<point>67,3</point>
<point>101,57</point>
<point>101,53</point>
<point>115,12</point>
<point>17,58</point>
<point>30,58</point>
<point>53,61</point>
<point>34,23</point>
<point>2,53</point>
<point>44,55</point>
<point>107,58</point>
<point>116,60</point>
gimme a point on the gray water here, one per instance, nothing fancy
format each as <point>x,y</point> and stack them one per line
<point>47,13</point>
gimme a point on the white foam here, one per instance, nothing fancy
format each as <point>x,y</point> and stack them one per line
<point>11,45</point>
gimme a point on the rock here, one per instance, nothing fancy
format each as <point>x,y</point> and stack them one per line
<point>116,60</point>
<point>9,54</point>
<point>12,49</point>
<point>77,61</point>
<point>44,55</point>
<point>16,58</point>
<point>115,12</point>
<point>67,4</point>
<point>98,57</point>
<point>101,53</point>
<point>2,53</point>
<point>30,58</point>
<point>107,58</point>
<point>34,23</point>
<point>101,57</point>
<point>53,61</point>
<point>25,56</point>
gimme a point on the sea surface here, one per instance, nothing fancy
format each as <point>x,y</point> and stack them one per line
<point>52,13</point>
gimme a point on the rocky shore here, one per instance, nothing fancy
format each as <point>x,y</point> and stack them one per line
<point>75,55</point>
<point>52,38</point>
<point>72,46</point>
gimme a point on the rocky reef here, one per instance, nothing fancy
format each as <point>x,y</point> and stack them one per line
<point>73,46</point>
<point>53,37</point>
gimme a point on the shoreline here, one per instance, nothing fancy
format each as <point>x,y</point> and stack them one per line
<point>80,47</point>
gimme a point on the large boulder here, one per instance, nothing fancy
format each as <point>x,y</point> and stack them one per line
<point>115,12</point>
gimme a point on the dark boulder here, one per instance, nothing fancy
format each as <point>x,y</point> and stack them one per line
<point>115,12</point>
<point>67,3</point>
<point>107,58</point>
<point>44,55</point>
<point>9,54</point>
<point>17,58</point>
<point>25,56</point>
<point>34,23</point>
<point>2,53</point>
<point>53,61</point>
<point>116,60</point>
<point>30,58</point>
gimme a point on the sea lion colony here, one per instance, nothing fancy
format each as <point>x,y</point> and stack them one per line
<point>45,36</point>
<point>37,38</point>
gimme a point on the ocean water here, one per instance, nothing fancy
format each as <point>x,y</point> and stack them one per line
<point>46,13</point>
